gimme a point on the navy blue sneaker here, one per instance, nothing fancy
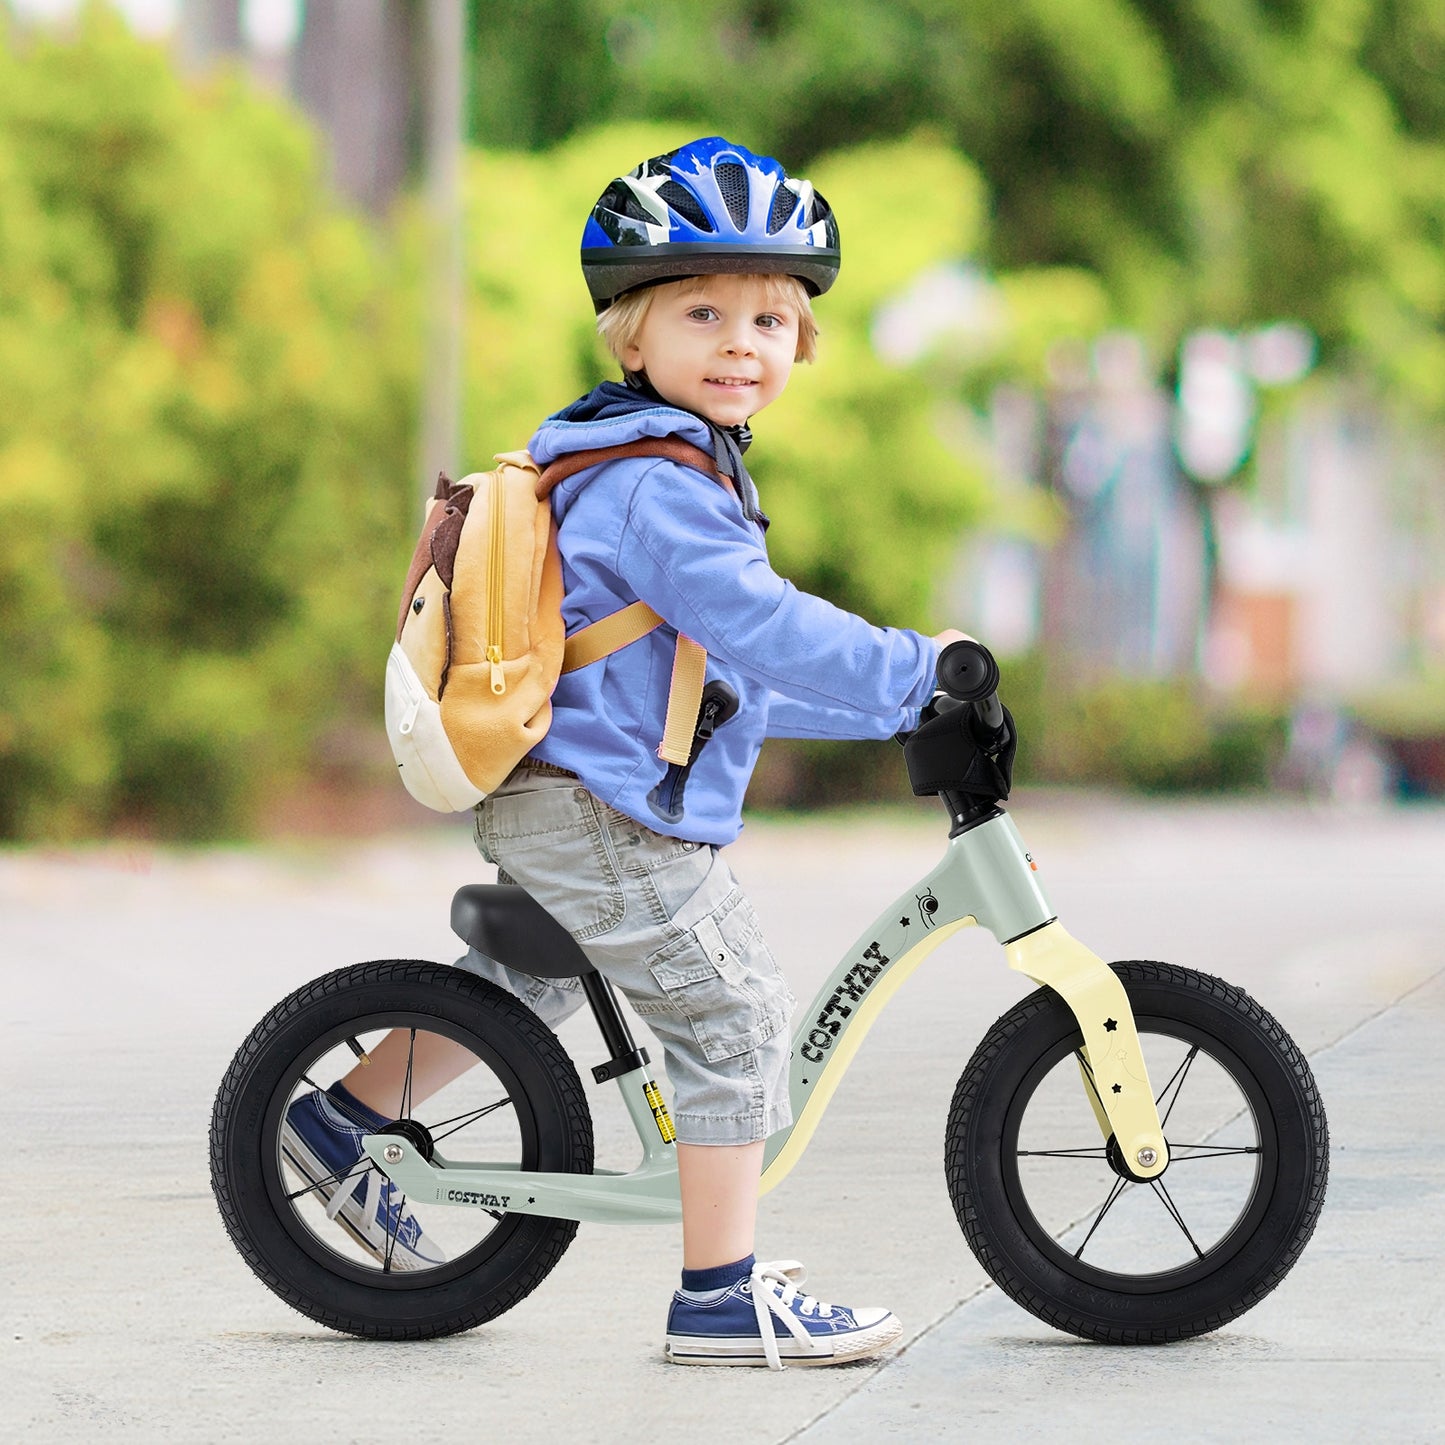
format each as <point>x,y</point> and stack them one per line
<point>323,1145</point>
<point>739,1325</point>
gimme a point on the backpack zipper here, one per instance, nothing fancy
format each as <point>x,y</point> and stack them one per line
<point>494,588</point>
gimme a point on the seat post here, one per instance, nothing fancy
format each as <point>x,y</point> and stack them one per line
<point>623,1053</point>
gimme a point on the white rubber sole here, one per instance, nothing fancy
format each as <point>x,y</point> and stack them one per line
<point>838,1349</point>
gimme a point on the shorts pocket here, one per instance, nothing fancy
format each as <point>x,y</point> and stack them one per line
<point>641,850</point>
<point>552,842</point>
<point>722,979</point>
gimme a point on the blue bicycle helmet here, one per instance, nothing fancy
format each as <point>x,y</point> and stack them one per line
<point>709,206</point>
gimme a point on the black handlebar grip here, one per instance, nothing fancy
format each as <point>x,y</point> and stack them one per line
<point>967,671</point>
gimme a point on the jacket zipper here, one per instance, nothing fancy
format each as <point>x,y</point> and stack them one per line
<point>719,704</point>
<point>494,589</point>
<point>676,778</point>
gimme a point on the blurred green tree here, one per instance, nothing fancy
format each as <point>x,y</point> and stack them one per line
<point>209,377</point>
<point>1214,163</point>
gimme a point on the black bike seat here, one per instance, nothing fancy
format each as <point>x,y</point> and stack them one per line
<point>506,923</point>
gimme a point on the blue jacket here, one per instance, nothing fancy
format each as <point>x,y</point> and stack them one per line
<point>662,532</point>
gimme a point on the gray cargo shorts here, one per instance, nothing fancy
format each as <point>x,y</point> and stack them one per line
<point>666,922</point>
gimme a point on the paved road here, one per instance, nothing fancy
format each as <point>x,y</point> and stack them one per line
<point>130,976</point>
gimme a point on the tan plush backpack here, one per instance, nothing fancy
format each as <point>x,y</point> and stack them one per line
<point>479,638</point>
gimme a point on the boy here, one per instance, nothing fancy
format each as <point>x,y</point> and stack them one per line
<point>701,264</point>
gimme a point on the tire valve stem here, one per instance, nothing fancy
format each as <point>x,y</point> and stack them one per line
<point>359,1052</point>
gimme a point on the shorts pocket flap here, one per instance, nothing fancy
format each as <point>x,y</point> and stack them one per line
<point>722,958</point>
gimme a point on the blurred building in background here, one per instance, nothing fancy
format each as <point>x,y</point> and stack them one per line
<point>1311,585</point>
<point>354,66</point>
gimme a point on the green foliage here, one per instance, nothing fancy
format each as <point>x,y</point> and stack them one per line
<point>1157,735</point>
<point>205,451</point>
<point>1212,162</point>
<point>1413,708</point>
<point>210,369</point>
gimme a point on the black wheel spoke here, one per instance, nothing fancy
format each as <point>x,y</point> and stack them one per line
<point>1089,1075</point>
<point>391,1229</point>
<point>1177,1084</point>
<point>1119,1187</point>
<point>1062,1154</point>
<point>1157,1185</point>
<point>1210,1151</point>
<point>406,1083</point>
<point>461,1121</point>
<point>335,1177</point>
<point>365,1125</point>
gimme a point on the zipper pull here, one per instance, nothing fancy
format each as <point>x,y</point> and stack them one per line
<point>707,723</point>
<point>499,682</point>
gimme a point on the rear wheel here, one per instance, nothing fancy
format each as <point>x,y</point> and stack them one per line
<point>1049,1207</point>
<point>519,1104</point>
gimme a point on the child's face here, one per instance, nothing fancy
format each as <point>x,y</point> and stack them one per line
<point>716,346</point>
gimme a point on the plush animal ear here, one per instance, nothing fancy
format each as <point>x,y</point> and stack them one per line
<point>445,513</point>
<point>446,536</point>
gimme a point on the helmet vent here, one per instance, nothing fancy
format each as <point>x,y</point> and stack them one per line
<point>732,181</point>
<point>685,204</point>
<point>622,200</point>
<point>784,204</point>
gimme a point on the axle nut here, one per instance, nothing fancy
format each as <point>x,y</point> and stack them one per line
<point>1147,1158</point>
<point>393,1152</point>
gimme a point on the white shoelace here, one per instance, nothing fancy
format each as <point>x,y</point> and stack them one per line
<point>774,1288</point>
<point>371,1198</point>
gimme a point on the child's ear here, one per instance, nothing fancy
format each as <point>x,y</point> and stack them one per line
<point>631,358</point>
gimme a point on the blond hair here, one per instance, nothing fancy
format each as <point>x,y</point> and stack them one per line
<point>621,324</point>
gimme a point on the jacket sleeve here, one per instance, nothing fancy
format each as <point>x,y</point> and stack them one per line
<point>687,551</point>
<point>788,717</point>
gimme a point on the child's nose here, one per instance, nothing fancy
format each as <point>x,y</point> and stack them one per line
<point>738,343</point>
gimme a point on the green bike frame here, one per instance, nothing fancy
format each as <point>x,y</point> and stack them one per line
<point>985,878</point>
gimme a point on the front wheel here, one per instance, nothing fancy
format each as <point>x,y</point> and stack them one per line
<point>1055,1218</point>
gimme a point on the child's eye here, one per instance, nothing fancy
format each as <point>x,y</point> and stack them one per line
<point>702,313</point>
<point>769,322</point>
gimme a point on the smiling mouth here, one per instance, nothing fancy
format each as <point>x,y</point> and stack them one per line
<point>737,381</point>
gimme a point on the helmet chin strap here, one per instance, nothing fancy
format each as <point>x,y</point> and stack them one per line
<point>729,444</point>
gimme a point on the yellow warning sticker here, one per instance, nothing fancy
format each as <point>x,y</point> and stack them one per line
<point>653,1095</point>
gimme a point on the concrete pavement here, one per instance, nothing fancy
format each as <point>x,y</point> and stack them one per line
<point>130,975</point>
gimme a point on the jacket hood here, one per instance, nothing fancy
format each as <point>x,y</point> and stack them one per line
<point>608,416</point>
<point>613,413</point>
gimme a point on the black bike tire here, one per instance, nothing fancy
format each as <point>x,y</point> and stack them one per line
<point>560,1119</point>
<point>987,1092</point>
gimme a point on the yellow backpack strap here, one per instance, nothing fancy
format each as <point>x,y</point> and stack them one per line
<point>684,701</point>
<point>689,667</point>
<point>608,634</point>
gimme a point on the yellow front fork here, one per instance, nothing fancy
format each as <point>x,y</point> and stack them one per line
<point>1111,1063</point>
